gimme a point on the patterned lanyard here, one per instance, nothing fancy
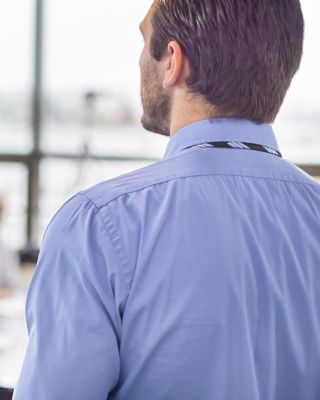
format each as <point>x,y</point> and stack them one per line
<point>239,145</point>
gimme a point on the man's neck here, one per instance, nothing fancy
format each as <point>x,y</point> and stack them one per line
<point>187,113</point>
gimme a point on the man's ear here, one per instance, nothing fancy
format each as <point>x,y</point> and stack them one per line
<point>173,66</point>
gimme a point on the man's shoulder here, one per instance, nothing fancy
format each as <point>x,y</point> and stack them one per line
<point>188,165</point>
<point>106,191</point>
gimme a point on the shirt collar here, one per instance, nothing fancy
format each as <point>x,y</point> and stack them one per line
<point>221,129</point>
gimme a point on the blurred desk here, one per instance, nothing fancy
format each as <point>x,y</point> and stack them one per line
<point>13,339</point>
<point>13,332</point>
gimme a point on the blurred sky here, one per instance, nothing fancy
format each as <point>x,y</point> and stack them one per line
<point>96,44</point>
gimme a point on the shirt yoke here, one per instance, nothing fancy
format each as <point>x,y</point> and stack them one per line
<point>197,162</point>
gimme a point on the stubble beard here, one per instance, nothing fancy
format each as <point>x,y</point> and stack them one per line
<point>156,104</point>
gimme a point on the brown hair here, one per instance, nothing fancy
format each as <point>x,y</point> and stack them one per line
<point>243,54</point>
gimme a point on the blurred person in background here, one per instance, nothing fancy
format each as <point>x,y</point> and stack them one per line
<point>196,277</point>
<point>10,273</point>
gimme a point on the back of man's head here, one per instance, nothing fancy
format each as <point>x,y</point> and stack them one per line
<point>243,54</point>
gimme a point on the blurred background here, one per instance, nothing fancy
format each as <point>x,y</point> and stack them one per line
<point>70,118</point>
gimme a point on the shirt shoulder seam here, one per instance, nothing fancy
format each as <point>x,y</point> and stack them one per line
<point>116,196</point>
<point>115,238</point>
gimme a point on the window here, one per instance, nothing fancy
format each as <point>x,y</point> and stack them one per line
<point>15,77</point>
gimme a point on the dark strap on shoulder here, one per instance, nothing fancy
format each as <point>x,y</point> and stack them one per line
<point>241,146</point>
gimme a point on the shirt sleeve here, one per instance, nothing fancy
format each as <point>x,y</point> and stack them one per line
<point>73,310</point>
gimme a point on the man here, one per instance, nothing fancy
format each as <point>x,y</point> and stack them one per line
<point>196,277</point>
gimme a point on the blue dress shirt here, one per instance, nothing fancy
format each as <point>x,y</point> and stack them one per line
<point>197,277</point>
